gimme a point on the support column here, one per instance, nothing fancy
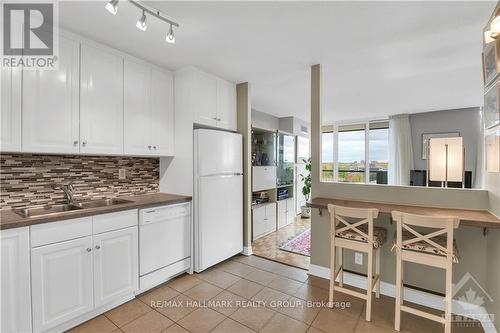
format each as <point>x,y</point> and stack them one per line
<point>244,123</point>
<point>315,126</point>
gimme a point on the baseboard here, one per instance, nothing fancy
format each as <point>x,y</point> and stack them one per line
<point>414,296</point>
<point>247,250</point>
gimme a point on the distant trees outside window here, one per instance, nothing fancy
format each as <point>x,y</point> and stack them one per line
<point>346,148</point>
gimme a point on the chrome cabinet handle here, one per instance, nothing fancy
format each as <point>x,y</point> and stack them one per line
<point>75,142</point>
<point>89,249</point>
<point>97,247</point>
<point>154,147</point>
<point>84,143</point>
<point>149,147</point>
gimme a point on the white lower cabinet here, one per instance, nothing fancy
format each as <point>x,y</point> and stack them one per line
<point>115,265</point>
<point>15,300</point>
<point>61,277</point>
<point>263,219</point>
<point>79,274</point>
<point>286,212</point>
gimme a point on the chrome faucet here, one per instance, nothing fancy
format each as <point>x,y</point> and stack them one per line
<point>68,192</point>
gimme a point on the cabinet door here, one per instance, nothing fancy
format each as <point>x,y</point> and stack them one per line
<point>226,105</point>
<point>290,210</point>
<point>61,282</point>
<point>282,213</point>
<point>137,109</point>
<point>270,217</point>
<point>205,98</point>
<point>162,99</point>
<point>10,136</point>
<point>258,221</point>
<point>263,178</point>
<point>15,302</point>
<point>51,106</point>
<point>115,265</point>
<point>101,102</point>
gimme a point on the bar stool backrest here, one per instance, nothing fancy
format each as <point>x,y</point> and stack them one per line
<point>339,220</point>
<point>439,225</point>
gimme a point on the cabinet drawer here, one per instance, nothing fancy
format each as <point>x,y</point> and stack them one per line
<point>114,221</point>
<point>48,233</point>
<point>263,178</point>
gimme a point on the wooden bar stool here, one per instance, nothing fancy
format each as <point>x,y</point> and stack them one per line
<point>434,248</point>
<point>352,228</point>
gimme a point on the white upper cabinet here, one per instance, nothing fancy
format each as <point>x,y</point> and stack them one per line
<point>204,98</point>
<point>148,110</point>
<point>226,105</point>
<point>15,303</point>
<point>137,108</point>
<point>101,101</point>
<point>10,139</point>
<point>51,105</point>
<point>212,100</point>
<point>162,113</point>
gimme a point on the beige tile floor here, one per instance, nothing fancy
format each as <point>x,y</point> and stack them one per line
<point>269,245</point>
<point>251,294</point>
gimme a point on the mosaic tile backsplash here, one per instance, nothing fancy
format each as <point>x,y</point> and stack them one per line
<point>31,179</point>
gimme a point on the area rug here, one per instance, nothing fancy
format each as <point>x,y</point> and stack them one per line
<point>300,244</point>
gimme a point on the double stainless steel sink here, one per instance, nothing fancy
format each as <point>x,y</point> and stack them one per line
<point>56,209</point>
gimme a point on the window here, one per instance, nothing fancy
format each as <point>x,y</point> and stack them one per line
<point>346,148</point>
<point>327,156</point>
<point>379,153</point>
<point>351,161</point>
<point>302,149</point>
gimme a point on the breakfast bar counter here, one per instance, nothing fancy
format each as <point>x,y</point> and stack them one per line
<point>468,217</point>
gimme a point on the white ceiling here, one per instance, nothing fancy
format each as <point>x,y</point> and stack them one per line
<point>378,58</point>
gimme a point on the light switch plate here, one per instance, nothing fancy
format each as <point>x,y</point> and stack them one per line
<point>122,174</point>
<point>358,258</point>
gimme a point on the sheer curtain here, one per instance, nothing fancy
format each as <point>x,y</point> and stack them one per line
<point>400,150</point>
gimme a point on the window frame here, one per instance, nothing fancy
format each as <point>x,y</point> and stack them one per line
<point>351,126</point>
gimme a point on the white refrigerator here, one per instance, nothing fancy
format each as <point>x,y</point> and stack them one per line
<point>218,197</point>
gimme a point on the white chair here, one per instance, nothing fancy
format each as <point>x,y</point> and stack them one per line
<point>353,229</point>
<point>434,248</point>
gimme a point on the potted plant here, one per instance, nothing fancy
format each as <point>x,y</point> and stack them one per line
<point>305,212</point>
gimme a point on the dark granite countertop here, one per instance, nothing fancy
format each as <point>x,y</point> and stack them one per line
<point>9,219</point>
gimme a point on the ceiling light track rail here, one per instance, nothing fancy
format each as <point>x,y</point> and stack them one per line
<point>112,7</point>
<point>153,12</point>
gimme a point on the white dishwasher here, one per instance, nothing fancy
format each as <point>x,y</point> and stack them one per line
<point>164,243</point>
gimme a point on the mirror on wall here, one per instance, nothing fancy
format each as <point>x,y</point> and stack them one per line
<point>437,149</point>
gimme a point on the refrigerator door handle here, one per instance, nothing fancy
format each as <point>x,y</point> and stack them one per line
<point>223,175</point>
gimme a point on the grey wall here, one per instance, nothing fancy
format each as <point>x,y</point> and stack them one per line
<point>265,121</point>
<point>465,121</point>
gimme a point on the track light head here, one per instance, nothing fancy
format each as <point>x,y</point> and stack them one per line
<point>170,35</point>
<point>112,6</point>
<point>141,22</point>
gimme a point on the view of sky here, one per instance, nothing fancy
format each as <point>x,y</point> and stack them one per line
<point>352,146</point>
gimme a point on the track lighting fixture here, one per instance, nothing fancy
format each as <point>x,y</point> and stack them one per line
<point>141,23</point>
<point>495,27</point>
<point>170,35</point>
<point>112,6</point>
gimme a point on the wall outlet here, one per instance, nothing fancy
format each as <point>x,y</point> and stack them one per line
<point>358,258</point>
<point>122,174</point>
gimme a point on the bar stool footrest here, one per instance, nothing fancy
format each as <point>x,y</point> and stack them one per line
<point>424,314</point>
<point>350,292</point>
